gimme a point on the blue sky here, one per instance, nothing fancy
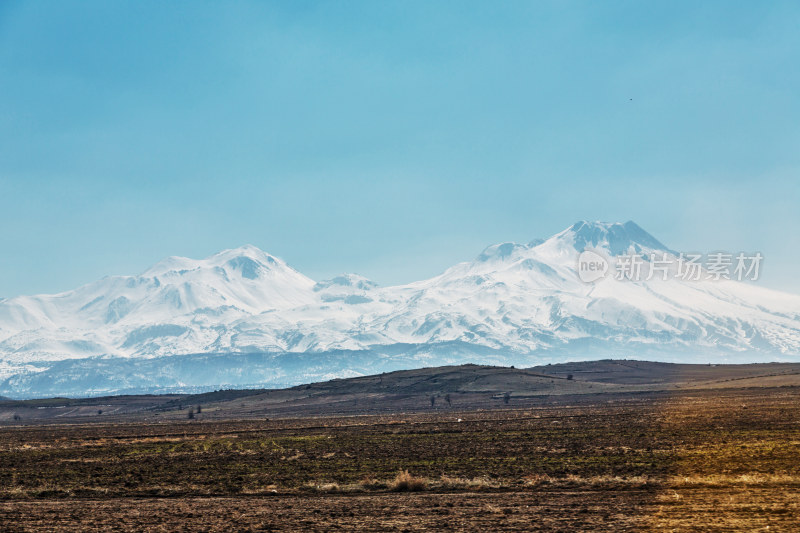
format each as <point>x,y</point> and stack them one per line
<point>392,139</point>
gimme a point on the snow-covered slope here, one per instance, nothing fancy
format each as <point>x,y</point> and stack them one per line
<point>528,298</point>
<point>175,306</point>
<point>514,302</point>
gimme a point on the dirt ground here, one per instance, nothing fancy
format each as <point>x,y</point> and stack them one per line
<point>545,510</point>
<point>721,460</point>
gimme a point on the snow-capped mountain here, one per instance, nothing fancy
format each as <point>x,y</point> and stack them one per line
<point>253,319</point>
<point>173,307</point>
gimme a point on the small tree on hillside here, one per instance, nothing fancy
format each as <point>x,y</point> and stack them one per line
<point>433,400</point>
<point>506,398</point>
<point>190,415</point>
<point>447,399</point>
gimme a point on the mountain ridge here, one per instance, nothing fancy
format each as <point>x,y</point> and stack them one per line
<point>516,302</point>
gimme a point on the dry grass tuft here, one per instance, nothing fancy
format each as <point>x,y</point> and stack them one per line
<point>727,480</point>
<point>323,487</point>
<point>593,481</point>
<point>408,482</point>
<point>475,483</point>
<point>538,479</point>
<point>370,483</point>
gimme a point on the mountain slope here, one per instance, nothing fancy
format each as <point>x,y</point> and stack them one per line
<point>173,307</point>
<point>514,303</point>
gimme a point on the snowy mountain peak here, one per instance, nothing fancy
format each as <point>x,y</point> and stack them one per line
<point>247,251</point>
<point>500,251</point>
<point>613,237</point>
<point>513,304</point>
<point>173,263</point>
<point>249,260</point>
<point>616,238</point>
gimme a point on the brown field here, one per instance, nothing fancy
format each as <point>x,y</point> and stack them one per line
<point>675,451</point>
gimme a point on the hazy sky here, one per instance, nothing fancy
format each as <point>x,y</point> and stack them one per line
<point>390,139</point>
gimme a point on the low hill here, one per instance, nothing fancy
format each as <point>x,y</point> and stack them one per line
<point>464,387</point>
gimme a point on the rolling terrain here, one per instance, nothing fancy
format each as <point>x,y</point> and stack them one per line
<point>467,387</point>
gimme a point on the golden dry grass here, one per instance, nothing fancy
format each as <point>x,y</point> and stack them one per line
<point>404,481</point>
